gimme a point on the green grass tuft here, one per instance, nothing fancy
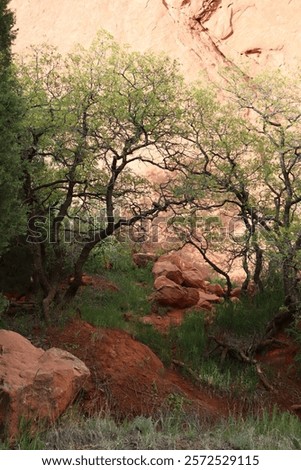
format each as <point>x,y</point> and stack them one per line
<point>107,308</point>
<point>250,316</point>
<point>159,344</point>
<point>190,339</point>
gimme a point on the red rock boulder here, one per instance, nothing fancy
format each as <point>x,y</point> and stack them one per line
<point>176,259</point>
<point>193,278</point>
<point>168,270</point>
<point>188,258</point>
<point>236,292</point>
<point>168,293</point>
<point>215,289</point>
<point>207,297</point>
<point>35,385</point>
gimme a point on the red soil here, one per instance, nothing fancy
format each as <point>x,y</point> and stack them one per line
<point>128,379</point>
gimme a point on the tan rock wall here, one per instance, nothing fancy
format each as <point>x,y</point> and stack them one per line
<point>202,34</point>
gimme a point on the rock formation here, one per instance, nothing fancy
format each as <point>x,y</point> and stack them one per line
<point>36,386</point>
<point>201,34</point>
<point>180,281</point>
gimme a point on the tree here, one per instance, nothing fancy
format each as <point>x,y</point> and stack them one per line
<point>216,165</point>
<point>7,34</point>
<point>98,117</point>
<point>93,120</point>
<point>11,220</point>
<point>273,101</point>
<point>244,156</point>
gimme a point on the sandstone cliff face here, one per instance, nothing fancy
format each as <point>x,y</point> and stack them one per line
<point>265,32</point>
<point>202,34</point>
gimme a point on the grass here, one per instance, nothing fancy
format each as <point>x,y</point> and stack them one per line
<point>160,344</point>
<point>25,323</point>
<point>250,316</point>
<point>27,440</point>
<point>107,308</point>
<point>230,378</point>
<point>191,345</point>
<point>295,333</point>
<point>190,340</point>
<point>188,343</point>
<point>270,431</point>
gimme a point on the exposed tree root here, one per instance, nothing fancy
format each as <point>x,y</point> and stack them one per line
<point>267,343</point>
<point>246,355</point>
<point>15,305</point>
<point>237,353</point>
<point>283,318</point>
<point>188,369</point>
<point>263,378</point>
